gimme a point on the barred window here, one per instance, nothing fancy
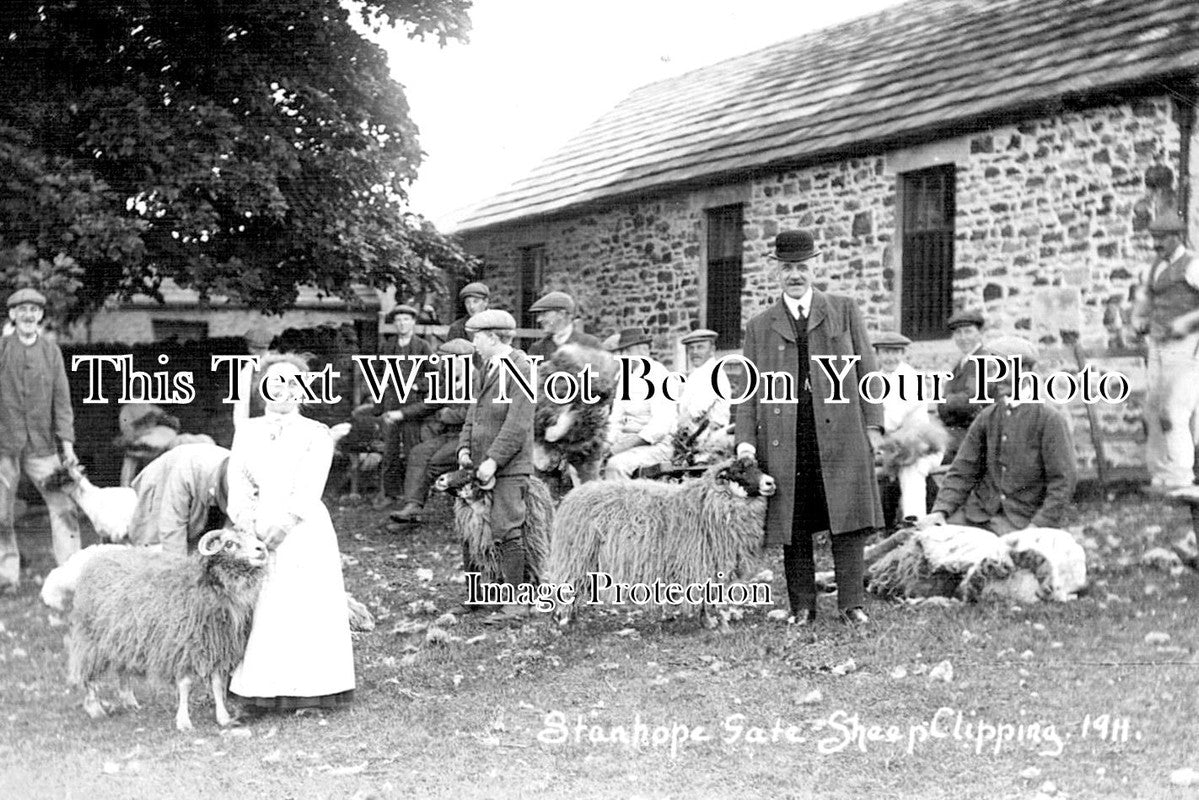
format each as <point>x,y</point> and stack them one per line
<point>926,300</point>
<point>725,239</point>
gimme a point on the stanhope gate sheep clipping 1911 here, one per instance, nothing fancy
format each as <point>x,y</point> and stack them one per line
<point>167,616</point>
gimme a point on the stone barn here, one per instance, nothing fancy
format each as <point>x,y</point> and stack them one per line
<point>1001,154</point>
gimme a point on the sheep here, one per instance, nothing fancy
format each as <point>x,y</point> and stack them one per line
<point>472,512</point>
<point>571,438</point>
<point>171,617</point>
<point>59,586</point>
<point>641,531</point>
<point>110,509</point>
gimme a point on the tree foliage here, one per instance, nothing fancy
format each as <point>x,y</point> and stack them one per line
<point>241,147</point>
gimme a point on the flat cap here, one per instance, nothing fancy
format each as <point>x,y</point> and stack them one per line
<point>258,337</point>
<point>890,339</point>
<point>554,301</point>
<point>493,319</point>
<point>1167,222</point>
<point>402,308</point>
<point>27,295</point>
<point>700,335</point>
<point>1011,346</point>
<point>456,347</point>
<point>961,318</point>
<point>475,289</point>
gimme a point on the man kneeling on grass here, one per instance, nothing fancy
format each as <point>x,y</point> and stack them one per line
<point>497,440</point>
<point>1015,468</point>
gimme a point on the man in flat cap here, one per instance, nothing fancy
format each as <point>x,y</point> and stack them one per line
<point>497,441</point>
<point>957,412</point>
<point>36,424</point>
<point>820,453</point>
<point>704,416</point>
<point>402,419</point>
<point>1016,467</point>
<point>1167,309</point>
<point>914,443</point>
<point>638,428</point>
<point>438,452</point>
<point>555,314</point>
<point>475,297</point>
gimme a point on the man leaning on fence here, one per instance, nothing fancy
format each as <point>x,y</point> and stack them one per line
<point>36,422</point>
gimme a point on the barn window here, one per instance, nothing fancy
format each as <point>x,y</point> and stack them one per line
<point>532,276</point>
<point>179,330</point>
<point>724,275</point>
<point>926,300</point>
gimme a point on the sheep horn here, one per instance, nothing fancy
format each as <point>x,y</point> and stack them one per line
<point>209,543</point>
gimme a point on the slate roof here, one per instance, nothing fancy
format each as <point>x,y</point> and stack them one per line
<point>907,71</point>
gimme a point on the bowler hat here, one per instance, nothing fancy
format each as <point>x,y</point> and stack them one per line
<point>258,338</point>
<point>628,337</point>
<point>961,318</point>
<point>26,295</point>
<point>794,246</point>
<point>493,319</point>
<point>699,335</point>
<point>456,347</point>
<point>1167,222</point>
<point>890,339</point>
<point>403,308</point>
<point>475,289</point>
<point>554,301</point>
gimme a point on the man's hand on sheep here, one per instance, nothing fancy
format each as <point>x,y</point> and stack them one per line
<point>486,470</point>
<point>875,435</point>
<point>929,520</point>
<point>274,536</point>
<point>747,450</point>
<point>464,458</point>
<point>68,454</point>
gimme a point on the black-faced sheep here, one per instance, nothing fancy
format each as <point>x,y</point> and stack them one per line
<point>639,531</point>
<point>472,512</point>
<point>570,438</point>
<point>110,509</point>
<point>171,617</point>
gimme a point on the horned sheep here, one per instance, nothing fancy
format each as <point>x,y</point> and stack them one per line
<point>167,616</point>
<point>641,531</point>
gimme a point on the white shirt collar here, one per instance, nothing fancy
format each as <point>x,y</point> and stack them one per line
<point>803,302</point>
<point>561,336</point>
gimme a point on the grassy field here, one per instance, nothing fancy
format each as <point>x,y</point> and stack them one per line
<point>1085,699</point>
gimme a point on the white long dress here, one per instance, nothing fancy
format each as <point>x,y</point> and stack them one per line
<point>299,644</point>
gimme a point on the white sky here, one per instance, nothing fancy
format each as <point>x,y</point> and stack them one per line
<point>536,72</point>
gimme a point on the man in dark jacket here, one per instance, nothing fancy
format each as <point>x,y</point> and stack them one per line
<point>475,297</point>
<point>497,440</point>
<point>957,412</point>
<point>180,495</point>
<point>36,422</point>
<point>1016,467</point>
<point>555,314</point>
<point>819,452</point>
<point>437,454</point>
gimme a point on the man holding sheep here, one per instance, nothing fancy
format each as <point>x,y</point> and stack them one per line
<point>36,424</point>
<point>820,453</point>
<point>497,441</point>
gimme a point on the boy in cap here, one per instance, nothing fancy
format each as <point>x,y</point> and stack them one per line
<point>957,412</point>
<point>36,423</point>
<point>555,315</point>
<point>497,441</point>
<point>475,298</point>
<point>704,417</point>
<point>1016,467</point>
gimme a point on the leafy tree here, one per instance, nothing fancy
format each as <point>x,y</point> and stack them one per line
<point>240,147</point>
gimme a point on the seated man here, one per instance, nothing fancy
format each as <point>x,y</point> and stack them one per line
<point>438,453</point>
<point>638,428</point>
<point>176,493</point>
<point>703,431</point>
<point>1016,466</point>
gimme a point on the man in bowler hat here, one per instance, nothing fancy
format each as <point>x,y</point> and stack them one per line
<point>820,453</point>
<point>37,423</point>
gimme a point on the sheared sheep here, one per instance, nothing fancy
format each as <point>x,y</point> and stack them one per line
<point>641,531</point>
<point>472,512</point>
<point>570,438</point>
<point>171,617</point>
<point>110,509</point>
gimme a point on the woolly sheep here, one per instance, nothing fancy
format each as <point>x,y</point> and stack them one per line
<point>641,531</point>
<point>171,617</point>
<point>472,513</point>
<point>109,509</point>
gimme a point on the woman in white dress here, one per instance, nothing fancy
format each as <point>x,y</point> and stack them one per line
<point>299,653</point>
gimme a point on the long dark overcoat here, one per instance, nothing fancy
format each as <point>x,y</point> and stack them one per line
<point>835,328</point>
